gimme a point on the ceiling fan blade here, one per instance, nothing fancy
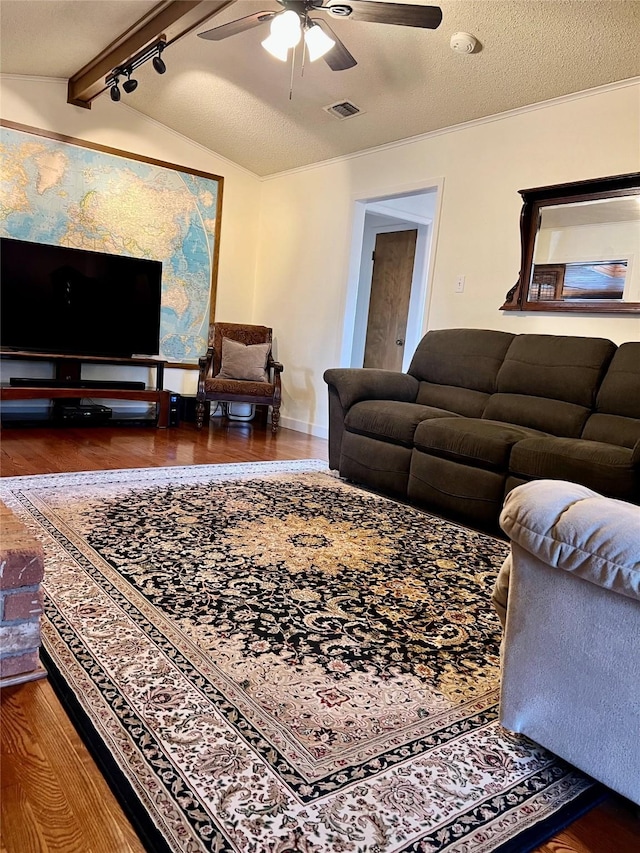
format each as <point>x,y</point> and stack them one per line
<point>402,14</point>
<point>338,58</point>
<point>238,26</point>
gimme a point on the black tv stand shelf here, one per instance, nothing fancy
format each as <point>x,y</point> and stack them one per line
<point>24,382</point>
<point>68,383</point>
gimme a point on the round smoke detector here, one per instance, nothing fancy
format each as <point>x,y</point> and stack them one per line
<point>463,43</point>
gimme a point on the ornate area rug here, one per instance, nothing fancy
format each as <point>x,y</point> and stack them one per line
<point>269,660</point>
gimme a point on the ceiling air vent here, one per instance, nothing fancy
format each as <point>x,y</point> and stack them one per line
<point>343,109</point>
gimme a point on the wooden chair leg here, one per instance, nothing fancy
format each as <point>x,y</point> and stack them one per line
<point>199,414</point>
<point>275,419</point>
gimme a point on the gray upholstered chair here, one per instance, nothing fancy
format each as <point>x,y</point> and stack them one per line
<point>569,599</point>
<point>239,368</point>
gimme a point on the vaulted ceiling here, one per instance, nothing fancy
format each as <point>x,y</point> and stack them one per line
<point>233,97</point>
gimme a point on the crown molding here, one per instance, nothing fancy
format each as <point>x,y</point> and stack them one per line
<point>454,128</point>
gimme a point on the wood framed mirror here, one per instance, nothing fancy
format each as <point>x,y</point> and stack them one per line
<point>580,245</point>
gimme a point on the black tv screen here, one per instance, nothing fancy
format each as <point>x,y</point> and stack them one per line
<point>73,302</point>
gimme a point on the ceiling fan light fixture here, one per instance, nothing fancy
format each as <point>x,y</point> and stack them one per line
<point>273,46</point>
<point>317,41</point>
<point>286,28</point>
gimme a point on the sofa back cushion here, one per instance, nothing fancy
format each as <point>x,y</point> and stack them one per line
<point>550,382</point>
<point>457,368</point>
<point>617,416</point>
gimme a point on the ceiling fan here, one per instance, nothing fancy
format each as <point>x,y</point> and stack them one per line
<point>294,20</point>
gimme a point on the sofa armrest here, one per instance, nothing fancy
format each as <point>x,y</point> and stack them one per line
<point>574,529</point>
<point>366,383</point>
<point>349,385</point>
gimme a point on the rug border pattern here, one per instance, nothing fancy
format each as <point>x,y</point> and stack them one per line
<point>532,790</point>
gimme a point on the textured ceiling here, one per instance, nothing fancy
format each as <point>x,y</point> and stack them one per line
<point>233,98</point>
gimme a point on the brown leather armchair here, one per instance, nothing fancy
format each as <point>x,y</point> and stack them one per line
<point>212,388</point>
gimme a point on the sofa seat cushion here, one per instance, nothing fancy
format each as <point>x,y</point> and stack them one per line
<point>607,468</point>
<point>553,417</point>
<point>388,420</point>
<point>485,444</point>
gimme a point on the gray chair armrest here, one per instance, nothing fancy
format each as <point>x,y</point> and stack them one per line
<point>365,383</point>
<point>576,530</point>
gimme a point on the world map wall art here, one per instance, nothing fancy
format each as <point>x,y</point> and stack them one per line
<point>67,192</point>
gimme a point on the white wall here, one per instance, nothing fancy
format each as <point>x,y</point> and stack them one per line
<point>43,104</point>
<point>306,220</point>
<point>296,251</point>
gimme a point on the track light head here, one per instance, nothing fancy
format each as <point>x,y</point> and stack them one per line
<point>158,61</point>
<point>112,80</point>
<point>129,84</point>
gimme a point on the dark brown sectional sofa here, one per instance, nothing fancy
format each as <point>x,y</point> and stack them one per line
<point>481,411</point>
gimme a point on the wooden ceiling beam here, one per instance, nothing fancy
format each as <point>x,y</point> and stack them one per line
<point>172,19</point>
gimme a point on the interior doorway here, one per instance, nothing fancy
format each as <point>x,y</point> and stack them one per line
<point>393,261</point>
<point>387,296</point>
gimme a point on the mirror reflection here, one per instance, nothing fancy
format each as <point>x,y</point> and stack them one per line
<point>587,251</point>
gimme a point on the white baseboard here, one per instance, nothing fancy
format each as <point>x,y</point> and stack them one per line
<point>303,426</point>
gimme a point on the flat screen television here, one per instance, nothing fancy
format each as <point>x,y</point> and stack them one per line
<point>65,301</point>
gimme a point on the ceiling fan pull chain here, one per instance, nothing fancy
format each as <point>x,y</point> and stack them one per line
<point>293,62</point>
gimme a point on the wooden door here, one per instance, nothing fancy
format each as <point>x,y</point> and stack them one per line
<point>389,302</point>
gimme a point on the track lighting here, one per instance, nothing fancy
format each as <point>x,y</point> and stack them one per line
<point>129,85</point>
<point>152,52</point>
<point>158,62</point>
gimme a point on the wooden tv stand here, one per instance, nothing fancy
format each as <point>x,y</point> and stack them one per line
<point>68,383</point>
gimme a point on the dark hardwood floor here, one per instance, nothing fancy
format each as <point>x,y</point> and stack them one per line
<point>54,798</point>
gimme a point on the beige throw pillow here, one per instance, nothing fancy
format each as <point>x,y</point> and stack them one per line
<point>240,361</point>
